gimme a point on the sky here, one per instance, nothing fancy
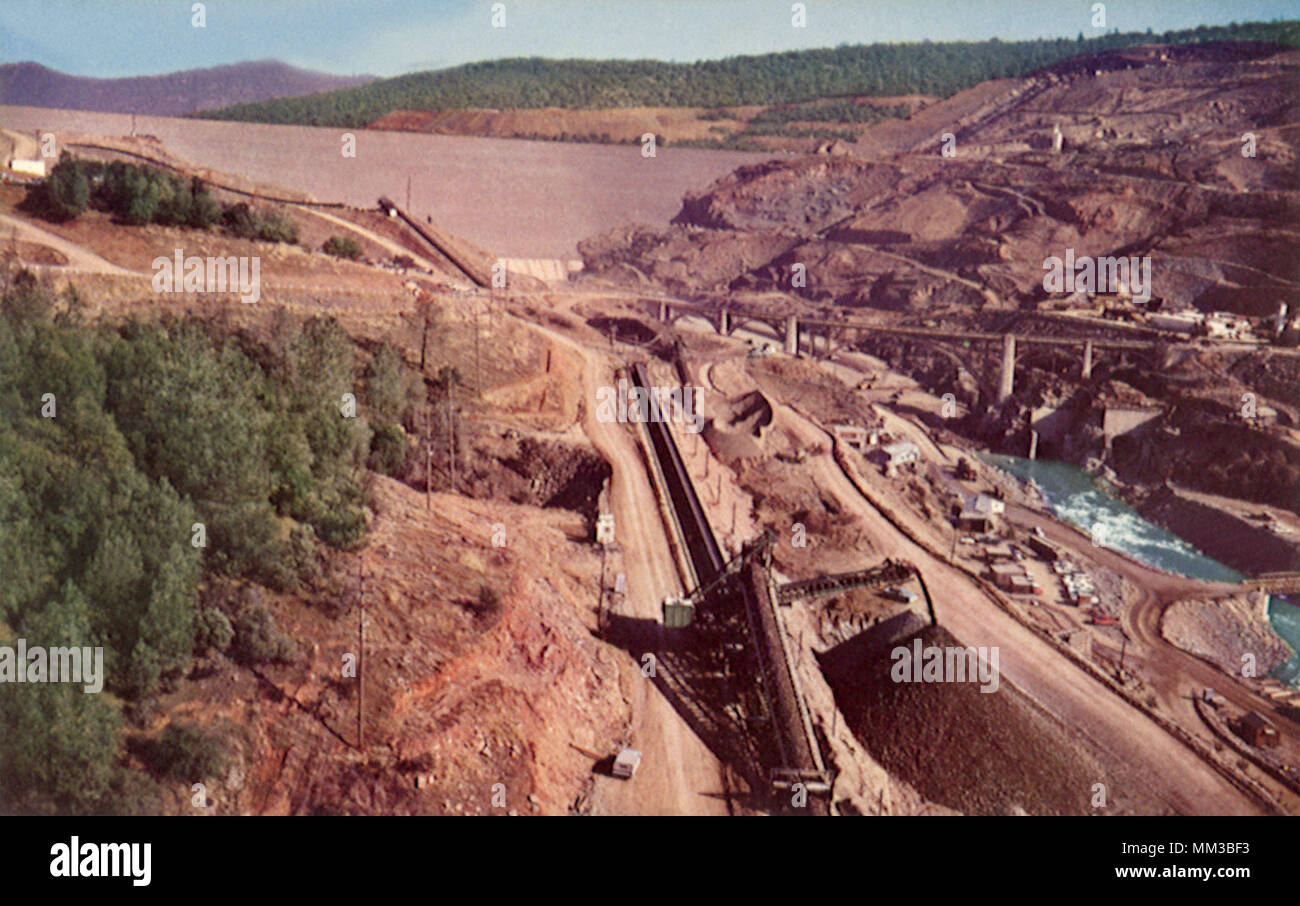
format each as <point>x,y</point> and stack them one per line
<point>111,38</point>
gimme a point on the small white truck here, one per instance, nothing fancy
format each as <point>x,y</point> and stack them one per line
<point>626,763</point>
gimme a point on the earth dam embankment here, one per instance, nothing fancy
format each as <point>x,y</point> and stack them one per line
<point>511,197</point>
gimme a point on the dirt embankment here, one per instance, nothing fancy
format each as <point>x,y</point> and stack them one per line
<point>479,669</point>
<point>1248,547</point>
<point>619,125</point>
<point>1232,633</point>
<point>902,232</point>
<point>671,125</point>
<point>981,753</point>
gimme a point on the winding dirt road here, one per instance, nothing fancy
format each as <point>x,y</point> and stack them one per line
<point>79,257</point>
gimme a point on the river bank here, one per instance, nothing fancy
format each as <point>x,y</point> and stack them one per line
<point>1079,498</point>
<point>1219,530</point>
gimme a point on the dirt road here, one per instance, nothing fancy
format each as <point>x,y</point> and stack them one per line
<point>395,247</point>
<point>79,258</point>
<point>679,775</point>
<point>1166,768</point>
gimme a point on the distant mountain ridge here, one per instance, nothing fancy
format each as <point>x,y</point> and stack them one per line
<point>936,69</point>
<point>172,94</point>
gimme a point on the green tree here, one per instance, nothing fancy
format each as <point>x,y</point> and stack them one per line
<point>59,747</point>
<point>388,387</point>
<point>66,190</point>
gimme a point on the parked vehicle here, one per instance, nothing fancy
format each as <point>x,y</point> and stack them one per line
<point>626,763</point>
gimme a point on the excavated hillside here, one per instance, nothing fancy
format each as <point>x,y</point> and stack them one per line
<point>1152,164</point>
<point>1186,155</point>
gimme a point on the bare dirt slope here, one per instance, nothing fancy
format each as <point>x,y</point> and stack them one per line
<point>671,125</point>
<point>1152,165</point>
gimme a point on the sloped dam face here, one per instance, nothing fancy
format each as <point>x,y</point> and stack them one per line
<point>511,197</point>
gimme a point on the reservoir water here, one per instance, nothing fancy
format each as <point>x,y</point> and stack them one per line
<point>1075,497</point>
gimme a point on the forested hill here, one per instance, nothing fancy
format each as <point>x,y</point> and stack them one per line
<point>927,68</point>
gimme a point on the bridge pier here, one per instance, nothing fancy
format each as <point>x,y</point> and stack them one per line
<point>1087,359</point>
<point>792,335</point>
<point>724,323</point>
<point>1007,379</point>
<point>664,312</point>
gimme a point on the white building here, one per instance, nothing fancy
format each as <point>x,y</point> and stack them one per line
<point>979,513</point>
<point>28,167</point>
<point>1183,321</point>
<point>605,529</point>
<point>897,455</point>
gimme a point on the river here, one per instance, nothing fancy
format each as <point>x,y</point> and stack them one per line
<point>1075,497</point>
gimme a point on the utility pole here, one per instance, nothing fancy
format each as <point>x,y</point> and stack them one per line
<point>451,435</point>
<point>600,606</point>
<point>361,653</point>
<point>408,191</point>
<point>428,457</point>
<point>478,368</point>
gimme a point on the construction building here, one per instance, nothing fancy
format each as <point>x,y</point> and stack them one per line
<point>979,513</point>
<point>896,456</point>
<point>1255,730</point>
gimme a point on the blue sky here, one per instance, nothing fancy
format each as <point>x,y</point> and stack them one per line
<point>388,37</point>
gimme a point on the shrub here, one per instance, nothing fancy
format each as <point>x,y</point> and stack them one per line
<point>185,751</point>
<point>240,221</point>
<point>389,390</point>
<point>258,640</point>
<point>302,553</point>
<point>276,227</point>
<point>213,630</point>
<point>388,451</point>
<point>342,526</point>
<point>205,211</point>
<point>343,247</point>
